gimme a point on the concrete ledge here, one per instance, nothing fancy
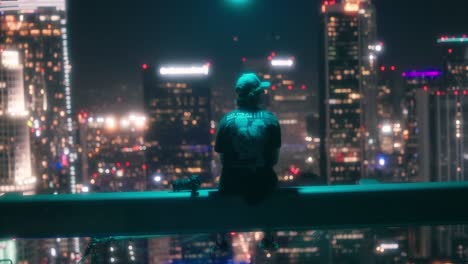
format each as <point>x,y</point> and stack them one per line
<point>160,213</point>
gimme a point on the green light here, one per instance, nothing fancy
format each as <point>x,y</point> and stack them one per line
<point>238,2</point>
<point>452,40</point>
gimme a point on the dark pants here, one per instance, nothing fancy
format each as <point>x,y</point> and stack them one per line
<point>252,184</point>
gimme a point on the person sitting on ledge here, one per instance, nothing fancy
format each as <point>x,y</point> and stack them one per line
<point>248,140</point>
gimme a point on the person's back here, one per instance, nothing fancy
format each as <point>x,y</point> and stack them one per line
<point>248,140</point>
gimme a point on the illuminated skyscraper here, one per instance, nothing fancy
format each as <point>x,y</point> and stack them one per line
<point>449,112</point>
<point>417,123</point>
<point>390,128</point>
<point>179,136</point>
<point>419,143</point>
<point>348,90</point>
<point>348,112</point>
<point>15,149</point>
<point>38,30</point>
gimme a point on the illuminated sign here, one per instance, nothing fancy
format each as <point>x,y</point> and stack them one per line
<point>415,74</point>
<point>282,62</point>
<point>387,246</point>
<point>192,70</point>
<point>10,58</point>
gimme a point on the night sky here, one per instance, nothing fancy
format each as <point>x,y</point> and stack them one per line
<point>111,39</point>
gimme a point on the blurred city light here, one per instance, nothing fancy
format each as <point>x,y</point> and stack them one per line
<point>378,47</point>
<point>157,178</point>
<point>351,7</point>
<point>10,58</point>
<point>386,129</point>
<point>282,62</point>
<point>382,161</point>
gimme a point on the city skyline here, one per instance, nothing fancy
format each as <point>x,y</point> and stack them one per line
<point>137,34</point>
<point>116,97</point>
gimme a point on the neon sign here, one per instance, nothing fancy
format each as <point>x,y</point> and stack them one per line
<point>192,70</point>
<point>414,74</point>
<point>282,62</point>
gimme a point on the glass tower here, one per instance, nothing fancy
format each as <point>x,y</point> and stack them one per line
<point>37,29</point>
<point>15,152</point>
<point>348,91</point>
<point>449,112</point>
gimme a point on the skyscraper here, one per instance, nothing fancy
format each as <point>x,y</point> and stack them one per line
<point>348,90</point>
<point>390,130</point>
<point>416,118</point>
<point>38,30</point>
<point>449,115</point>
<point>179,136</point>
<point>418,138</point>
<point>348,112</point>
<point>15,149</point>
<point>450,108</point>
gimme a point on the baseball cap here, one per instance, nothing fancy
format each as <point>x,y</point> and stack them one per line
<point>250,84</point>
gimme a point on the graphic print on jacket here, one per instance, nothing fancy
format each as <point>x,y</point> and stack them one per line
<point>246,138</point>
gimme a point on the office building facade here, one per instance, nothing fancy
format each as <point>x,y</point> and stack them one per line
<point>348,91</point>
<point>38,30</point>
<point>15,149</point>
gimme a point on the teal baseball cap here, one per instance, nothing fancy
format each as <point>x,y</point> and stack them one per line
<point>249,84</point>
